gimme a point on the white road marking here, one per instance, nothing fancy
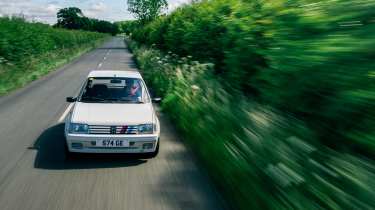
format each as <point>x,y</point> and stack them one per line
<point>100,65</point>
<point>104,58</point>
<point>62,118</point>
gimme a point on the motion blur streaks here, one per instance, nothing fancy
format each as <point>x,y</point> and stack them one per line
<point>282,111</point>
<point>300,144</point>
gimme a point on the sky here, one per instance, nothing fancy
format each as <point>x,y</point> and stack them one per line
<point>45,10</point>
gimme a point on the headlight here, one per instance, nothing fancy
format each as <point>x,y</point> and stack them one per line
<point>146,129</point>
<point>78,128</point>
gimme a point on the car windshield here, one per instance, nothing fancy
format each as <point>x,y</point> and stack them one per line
<point>113,90</point>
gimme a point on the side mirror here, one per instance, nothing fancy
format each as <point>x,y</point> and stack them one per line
<point>156,100</point>
<point>70,99</point>
<point>151,92</point>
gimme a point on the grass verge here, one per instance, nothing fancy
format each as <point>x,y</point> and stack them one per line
<point>13,76</point>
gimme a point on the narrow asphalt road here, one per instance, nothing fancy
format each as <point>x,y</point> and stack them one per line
<point>35,175</point>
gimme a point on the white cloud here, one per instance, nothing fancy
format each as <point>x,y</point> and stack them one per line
<point>111,10</point>
<point>30,10</point>
<point>49,10</point>
<point>53,8</point>
<point>173,4</point>
<point>96,10</point>
<point>100,7</point>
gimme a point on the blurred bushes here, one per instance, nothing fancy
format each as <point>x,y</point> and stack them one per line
<point>260,157</point>
<point>127,26</point>
<point>312,59</point>
<point>284,116</point>
<point>29,50</point>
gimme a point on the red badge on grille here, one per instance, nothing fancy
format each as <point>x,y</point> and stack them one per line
<point>124,128</point>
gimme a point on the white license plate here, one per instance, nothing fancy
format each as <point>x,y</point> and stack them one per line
<point>112,143</point>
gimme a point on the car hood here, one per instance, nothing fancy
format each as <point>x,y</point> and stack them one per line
<point>112,114</point>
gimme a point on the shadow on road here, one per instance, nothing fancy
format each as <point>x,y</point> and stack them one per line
<point>131,64</point>
<point>184,185</point>
<point>51,154</point>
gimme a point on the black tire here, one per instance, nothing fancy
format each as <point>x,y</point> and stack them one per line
<point>153,154</point>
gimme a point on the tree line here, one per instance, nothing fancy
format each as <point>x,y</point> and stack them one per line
<point>73,18</point>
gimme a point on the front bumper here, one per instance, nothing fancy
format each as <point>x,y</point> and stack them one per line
<point>84,143</point>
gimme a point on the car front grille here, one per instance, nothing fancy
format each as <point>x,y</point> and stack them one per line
<point>105,129</point>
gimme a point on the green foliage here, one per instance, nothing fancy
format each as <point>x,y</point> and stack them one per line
<point>30,50</point>
<point>313,59</point>
<point>73,18</point>
<point>128,26</point>
<point>260,157</point>
<point>286,117</point>
<point>146,10</point>
<point>103,26</point>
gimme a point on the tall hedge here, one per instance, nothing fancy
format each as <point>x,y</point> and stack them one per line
<point>29,50</point>
<point>313,59</point>
<point>20,40</point>
<point>286,117</point>
<point>259,157</point>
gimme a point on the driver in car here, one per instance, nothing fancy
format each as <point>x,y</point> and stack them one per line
<point>135,91</point>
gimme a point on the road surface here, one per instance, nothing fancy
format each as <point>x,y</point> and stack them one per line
<point>35,175</point>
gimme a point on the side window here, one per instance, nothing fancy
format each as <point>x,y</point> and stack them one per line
<point>86,84</point>
<point>146,97</point>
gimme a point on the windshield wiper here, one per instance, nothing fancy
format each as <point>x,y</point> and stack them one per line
<point>131,100</point>
<point>91,99</point>
<point>112,99</point>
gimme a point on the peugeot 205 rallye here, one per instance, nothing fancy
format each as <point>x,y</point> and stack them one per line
<point>113,113</point>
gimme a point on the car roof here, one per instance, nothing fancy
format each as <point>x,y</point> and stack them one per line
<point>111,73</point>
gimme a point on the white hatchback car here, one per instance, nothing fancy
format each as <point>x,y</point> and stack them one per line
<point>113,113</point>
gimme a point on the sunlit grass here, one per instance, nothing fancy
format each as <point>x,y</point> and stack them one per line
<point>30,50</point>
